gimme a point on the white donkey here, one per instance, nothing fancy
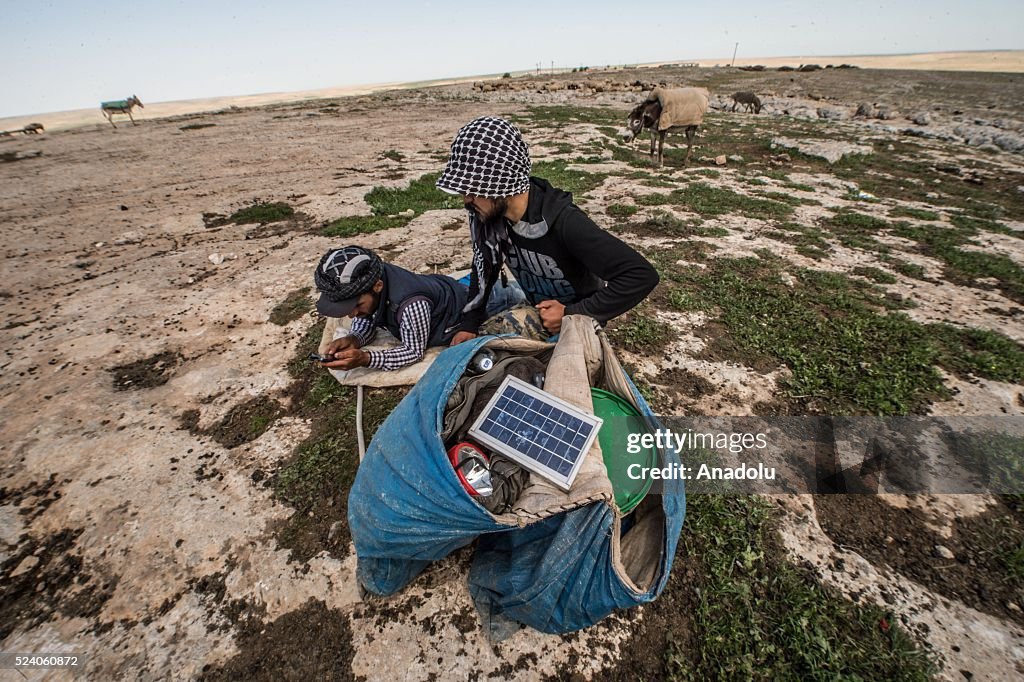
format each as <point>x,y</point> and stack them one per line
<point>121,106</point>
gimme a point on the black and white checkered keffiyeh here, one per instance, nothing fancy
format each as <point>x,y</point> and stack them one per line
<point>489,159</point>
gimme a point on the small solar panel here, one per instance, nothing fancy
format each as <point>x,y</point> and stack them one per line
<point>540,432</point>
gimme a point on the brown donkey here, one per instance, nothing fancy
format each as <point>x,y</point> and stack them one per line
<point>749,100</point>
<point>645,116</point>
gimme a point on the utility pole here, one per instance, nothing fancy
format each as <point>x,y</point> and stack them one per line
<point>734,54</point>
<point>552,67</point>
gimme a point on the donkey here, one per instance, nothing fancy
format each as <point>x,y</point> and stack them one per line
<point>121,106</point>
<point>645,116</point>
<point>749,101</point>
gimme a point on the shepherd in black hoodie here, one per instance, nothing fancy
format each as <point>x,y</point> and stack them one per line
<point>564,262</point>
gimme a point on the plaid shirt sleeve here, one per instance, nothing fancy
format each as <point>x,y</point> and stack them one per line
<point>363,330</point>
<point>413,332</point>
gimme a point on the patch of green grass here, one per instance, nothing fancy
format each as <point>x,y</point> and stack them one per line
<point>998,458</point>
<point>979,352</point>
<point>559,115</point>
<point>801,236</point>
<point>326,464</point>
<point>857,230</point>
<point>713,201</point>
<point>295,305</point>
<point>720,136</point>
<point>663,223</point>
<point>896,173</point>
<point>574,181</point>
<point>649,392</point>
<point>641,333</point>
<point>759,617</point>
<point>916,213</point>
<point>324,390</point>
<point>666,260</point>
<point>421,195</point>
<point>847,356</point>
<point>681,300</point>
<point>811,252</point>
<point>259,423</point>
<point>973,225</point>
<point>652,181</point>
<point>388,202</point>
<point>583,160</point>
<point>299,365</point>
<point>978,264</point>
<point>621,210</point>
<point>394,155</point>
<point>798,186</point>
<point>635,157</point>
<point>905,268</point>
<point>708,173</point>
<point>775,175</point>
<point>349,226</point>
<point>262,213</point>
<point>558,147</point>
<point>1012,558</point>
<point>880,276</point>
<point>859,222</point>
<point>965,266</point>
<point>790,199</point>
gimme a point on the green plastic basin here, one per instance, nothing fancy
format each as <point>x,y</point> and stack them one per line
<point>620,420</point>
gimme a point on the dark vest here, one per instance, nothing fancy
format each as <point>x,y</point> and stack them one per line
<point>447,298</point>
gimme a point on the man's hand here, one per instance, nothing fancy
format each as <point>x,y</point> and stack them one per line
<point>349,359</point>
<point>338,345</point>
<point>551,314</point>
<point>462,337</point>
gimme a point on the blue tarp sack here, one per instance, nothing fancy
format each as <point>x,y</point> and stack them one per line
<point>558,561</point>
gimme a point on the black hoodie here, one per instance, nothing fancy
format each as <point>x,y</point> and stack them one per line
<point>558,253</point>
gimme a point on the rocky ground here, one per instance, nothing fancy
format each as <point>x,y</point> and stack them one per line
<point>171,493</point>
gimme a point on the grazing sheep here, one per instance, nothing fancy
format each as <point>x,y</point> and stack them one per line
<point>749,100</point>
<point>669,111</point>
<point>33,129</point>
<point>121,106</point>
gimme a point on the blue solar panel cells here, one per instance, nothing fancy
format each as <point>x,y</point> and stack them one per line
<point>537,429</point>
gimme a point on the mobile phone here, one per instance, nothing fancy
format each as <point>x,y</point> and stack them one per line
<point>316,357</point>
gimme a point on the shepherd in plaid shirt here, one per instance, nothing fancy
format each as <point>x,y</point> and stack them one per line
<point>419,310</point>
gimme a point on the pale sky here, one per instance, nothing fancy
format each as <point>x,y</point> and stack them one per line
<point>73,54</point>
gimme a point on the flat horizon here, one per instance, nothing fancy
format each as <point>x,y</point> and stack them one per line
<point>955,60</point>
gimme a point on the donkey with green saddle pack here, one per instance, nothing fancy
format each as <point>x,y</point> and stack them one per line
<point>121,106</point>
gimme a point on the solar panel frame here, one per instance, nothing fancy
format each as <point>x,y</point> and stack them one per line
<point>568,434</point>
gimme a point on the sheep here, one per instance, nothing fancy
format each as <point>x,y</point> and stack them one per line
<point>121,106</point>
<point>749,100</point>
<point>668,111</point>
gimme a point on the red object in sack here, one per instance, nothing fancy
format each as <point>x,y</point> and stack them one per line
<point>470,464</point>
